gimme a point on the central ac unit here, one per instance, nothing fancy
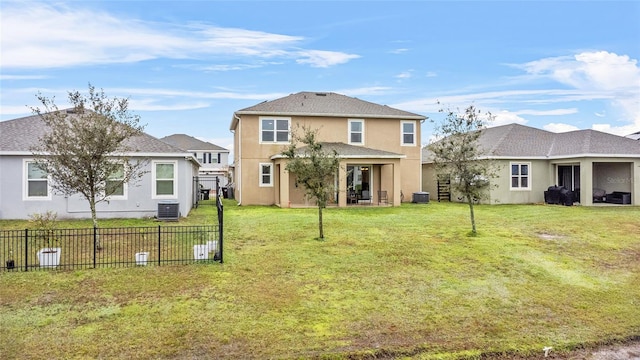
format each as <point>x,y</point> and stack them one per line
<point>168,210</point>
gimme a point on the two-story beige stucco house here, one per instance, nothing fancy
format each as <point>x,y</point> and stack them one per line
<point>379,149</point>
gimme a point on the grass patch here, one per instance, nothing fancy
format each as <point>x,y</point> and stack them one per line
<point>403,281</point>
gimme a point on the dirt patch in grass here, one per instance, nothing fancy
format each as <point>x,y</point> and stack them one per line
<point>545,236</point>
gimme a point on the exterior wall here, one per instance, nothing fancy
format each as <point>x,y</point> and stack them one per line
<point>139,201</point>
<point>539,181</point>
<point>382,134</point>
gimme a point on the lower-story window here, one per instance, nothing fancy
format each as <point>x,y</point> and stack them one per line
<point>266,174</point>
<point>520,175</point>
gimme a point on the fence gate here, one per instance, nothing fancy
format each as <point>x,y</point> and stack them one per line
<point>205,190</point>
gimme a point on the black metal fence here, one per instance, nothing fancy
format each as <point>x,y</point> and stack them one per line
<point>39,249</point>
<point>26,250</point>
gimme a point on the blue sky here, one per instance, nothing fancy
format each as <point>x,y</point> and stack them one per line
<point>186,66</point>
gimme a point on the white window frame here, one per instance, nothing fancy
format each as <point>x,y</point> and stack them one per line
<point>349,132</point>
<point>402,133</point>
<point>275,129</point>
<point>520,176</point>
<point>125,188</point>
<point>26,180</point>
<point>260,175</point>
<point>154,179</point>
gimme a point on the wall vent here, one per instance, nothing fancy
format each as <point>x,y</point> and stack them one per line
<point>168,210</point>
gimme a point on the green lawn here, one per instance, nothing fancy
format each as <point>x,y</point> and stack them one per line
<point>387,282</point>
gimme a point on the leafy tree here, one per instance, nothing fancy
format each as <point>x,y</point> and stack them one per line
<point>85,148</point>
<point>315,168</point>
<point>458,155</point>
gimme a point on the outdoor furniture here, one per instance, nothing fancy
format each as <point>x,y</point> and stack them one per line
<point>599,195</point>
<point>382,197</point>
<point>618,197</point>
<point>365,196</point>
<point>352,197</point>
<point>558,195</point>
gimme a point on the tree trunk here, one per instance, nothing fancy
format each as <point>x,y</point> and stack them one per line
<point>94,218</point>
<point>320,222</point>
<point>473,217</point>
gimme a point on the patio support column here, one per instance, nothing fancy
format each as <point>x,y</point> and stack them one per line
<point>397,183</point>
<point>342,184</point>
<point>635,183</point>
<point>586,182</point>
<point>284,186</point>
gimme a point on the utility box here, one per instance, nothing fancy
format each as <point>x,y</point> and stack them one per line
<point>168,210</point>
<point>420,197</point>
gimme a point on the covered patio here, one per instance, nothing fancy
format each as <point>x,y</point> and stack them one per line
<point>366,177</point>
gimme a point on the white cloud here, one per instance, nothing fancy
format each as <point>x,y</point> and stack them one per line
<point>399,51</point>
<point>22,77</point>
<point>553,112</point>
<point>405,74</point>
<point>71,40</point>
<point>598,74</point>
<point>559,127</point>
<point>323,59</point>
<point>506,117</point>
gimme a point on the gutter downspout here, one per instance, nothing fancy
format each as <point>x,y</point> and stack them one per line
<point>239,157</point>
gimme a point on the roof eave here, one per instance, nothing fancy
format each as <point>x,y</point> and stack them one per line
<point>340,115</point>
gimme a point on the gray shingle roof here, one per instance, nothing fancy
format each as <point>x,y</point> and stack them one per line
<point>189,143</point>
<point>20,135</point>
<point>351,151</point>
<point>325,104</point>
<point>519,141</point>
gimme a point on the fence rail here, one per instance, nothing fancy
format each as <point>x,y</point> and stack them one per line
<point>26,250</point>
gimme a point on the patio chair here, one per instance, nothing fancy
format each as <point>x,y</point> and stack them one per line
<point>382,197</point>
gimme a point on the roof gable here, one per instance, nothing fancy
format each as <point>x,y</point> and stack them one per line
<point>189,143</point>
<point>324,104</point>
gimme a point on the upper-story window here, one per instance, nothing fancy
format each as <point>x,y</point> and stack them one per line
<point>208,158</point>
<point>520,176</point>
<point>408,133</point>
<point>356,132</point>
<point>37,182</point>
<point>274,130</point>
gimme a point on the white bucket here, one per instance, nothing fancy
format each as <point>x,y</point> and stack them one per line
<point>201,252</point>
<point>212,246</point>
<point>49,257</point>
<point>141,258</point>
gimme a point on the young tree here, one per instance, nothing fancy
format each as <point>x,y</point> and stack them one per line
<point>457,154</point>
<point>315,168</point>
<point>85,149</point>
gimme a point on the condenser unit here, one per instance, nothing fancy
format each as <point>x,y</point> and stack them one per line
<point>168,210</point>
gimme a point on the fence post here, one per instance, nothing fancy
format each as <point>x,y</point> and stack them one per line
<point>95,245</point>
<point>26,249</point>
<point>221,228</point>
<point>159,242</point>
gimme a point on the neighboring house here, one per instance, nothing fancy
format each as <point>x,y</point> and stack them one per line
<point>634,136</point>
<point>25,190</point>
<point>213,159</point>
<point>378,146</point>
<point>531,160</point>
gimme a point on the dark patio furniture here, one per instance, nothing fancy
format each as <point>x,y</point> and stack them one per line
<point>558,195</point>
<point>618,197</point>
